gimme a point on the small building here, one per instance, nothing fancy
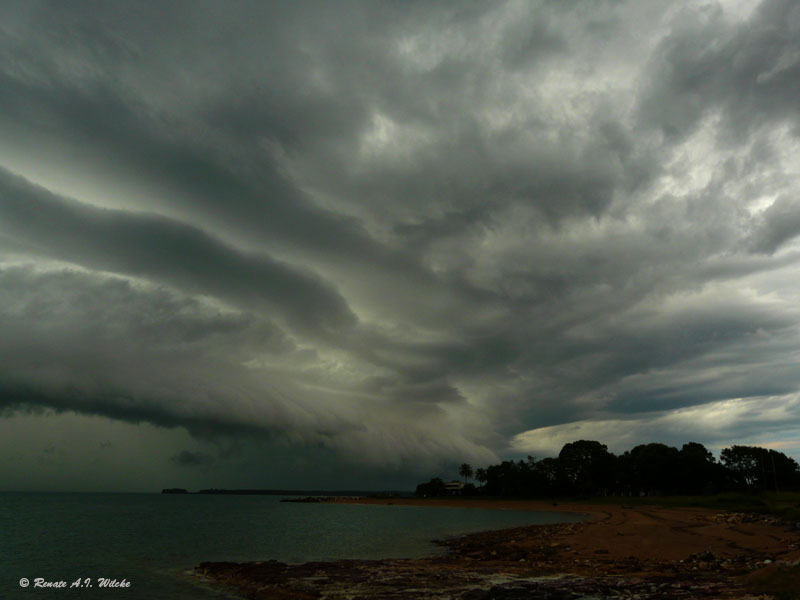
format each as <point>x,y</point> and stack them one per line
<point>453,488</point>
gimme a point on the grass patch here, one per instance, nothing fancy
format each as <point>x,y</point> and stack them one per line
<point>738,500</point>
<point>781,582</point>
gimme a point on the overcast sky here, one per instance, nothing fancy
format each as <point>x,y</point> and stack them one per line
<point>353,244</point>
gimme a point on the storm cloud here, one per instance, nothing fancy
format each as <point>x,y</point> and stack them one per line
<point>395,237</point>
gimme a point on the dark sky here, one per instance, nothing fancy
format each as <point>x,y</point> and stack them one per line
<point>353,244</point>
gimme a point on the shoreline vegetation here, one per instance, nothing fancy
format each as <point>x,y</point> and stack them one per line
<point>586,468</point>
<point>634,547</point>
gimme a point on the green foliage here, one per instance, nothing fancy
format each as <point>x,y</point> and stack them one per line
<point>480,475</point>
<point>586,468</point>
<point>433,488</point>
<point>757,468</point>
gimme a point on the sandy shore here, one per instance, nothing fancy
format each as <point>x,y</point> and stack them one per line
<point>619,551</point>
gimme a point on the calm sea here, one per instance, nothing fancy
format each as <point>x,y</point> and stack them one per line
<point>153,540</point>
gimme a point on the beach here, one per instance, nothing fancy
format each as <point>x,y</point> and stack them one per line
<point>619,550</point>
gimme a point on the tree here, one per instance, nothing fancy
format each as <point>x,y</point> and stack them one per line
<point>506,479</point>
<point>653,468</point>
<point>697,452</point>
<point>465,470</point>
<point>756,468</point>
<point>480,475</point>
<point>586,466</point>
<point>698,470</point>
<point>435,487</point>
<point>547,473</point>
<point>746,463</point>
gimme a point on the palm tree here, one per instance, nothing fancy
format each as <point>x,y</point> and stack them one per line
<point>480,475</point>
<point>465,471</point>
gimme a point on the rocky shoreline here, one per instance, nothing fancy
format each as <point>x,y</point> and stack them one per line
<point>641,553</point>
<point>396,580</point>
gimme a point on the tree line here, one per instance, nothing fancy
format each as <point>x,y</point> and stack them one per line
<point>586,467</point>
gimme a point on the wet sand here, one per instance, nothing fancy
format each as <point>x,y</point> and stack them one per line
<point>619,551</point>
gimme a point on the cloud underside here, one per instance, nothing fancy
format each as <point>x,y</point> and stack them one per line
<point>412,234</point>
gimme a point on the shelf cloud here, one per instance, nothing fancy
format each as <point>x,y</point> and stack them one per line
<point>373,240</point>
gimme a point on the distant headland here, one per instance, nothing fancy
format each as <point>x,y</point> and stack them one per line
<point>270,492</point>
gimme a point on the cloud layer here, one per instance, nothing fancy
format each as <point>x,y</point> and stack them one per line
<point>403,235</point>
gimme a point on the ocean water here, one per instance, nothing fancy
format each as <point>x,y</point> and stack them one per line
<point>153,541</point>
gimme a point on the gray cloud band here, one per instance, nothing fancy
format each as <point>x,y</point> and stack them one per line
<point>466,222</point>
